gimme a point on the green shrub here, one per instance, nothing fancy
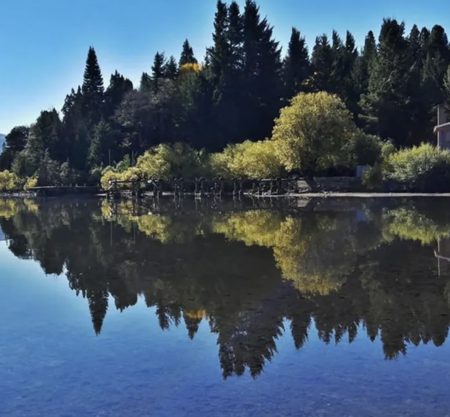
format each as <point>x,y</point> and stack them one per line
<point>420,168</point>
<point>366,149</point>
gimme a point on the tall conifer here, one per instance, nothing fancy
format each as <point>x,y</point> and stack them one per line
<point>92,88</point>
<point>187,54</point>
<point>296,65</point>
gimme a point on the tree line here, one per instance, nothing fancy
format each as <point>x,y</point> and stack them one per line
<point>391,87</point>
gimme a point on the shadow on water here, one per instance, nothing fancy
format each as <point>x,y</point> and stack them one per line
<point>248,268</point>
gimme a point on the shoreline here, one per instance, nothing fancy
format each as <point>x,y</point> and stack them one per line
<point>308,195</point>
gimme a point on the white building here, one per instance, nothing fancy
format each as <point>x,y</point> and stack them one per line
<point>443,128</point>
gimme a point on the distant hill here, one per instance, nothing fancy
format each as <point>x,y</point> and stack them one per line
<point>2,141</point>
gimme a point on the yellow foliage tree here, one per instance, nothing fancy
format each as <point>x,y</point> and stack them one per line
<point>9,181</point>
<point>190,68</point>
<point>314,132</point>
<point>162,162</point>
<point>31,182</point>
<point>248,159</point>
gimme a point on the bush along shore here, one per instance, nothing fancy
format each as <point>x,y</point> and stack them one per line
<point>247,112</point>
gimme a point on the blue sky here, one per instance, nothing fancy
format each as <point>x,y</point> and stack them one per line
<point>43,43</point>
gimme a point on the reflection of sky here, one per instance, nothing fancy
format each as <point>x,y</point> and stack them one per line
<point>52,364</point>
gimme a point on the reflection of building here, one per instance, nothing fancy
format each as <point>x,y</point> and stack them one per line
<point>443,129</point>
<point>442,254</point>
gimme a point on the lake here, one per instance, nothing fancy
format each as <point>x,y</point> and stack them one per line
<point>327,307</point>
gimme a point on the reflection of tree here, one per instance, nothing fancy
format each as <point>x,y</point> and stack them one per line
<point>304,248</point>
<point>410,224</point>
<point>10,207</point>
<point>219,268</point>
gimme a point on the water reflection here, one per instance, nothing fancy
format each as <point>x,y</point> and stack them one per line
<point>373,267</point>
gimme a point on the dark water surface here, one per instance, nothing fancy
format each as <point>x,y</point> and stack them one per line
<point>276,308</point>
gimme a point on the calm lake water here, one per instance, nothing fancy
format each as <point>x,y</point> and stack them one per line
<point>250,308</point>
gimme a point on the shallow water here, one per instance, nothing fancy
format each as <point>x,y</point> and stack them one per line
<point>250,308</point>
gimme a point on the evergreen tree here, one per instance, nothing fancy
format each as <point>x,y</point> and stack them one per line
<point>338,67</point>
<point>220,53</point>
<point>349,90</point>
<point>225,69</point>
<point>146,83</point>
<point>415,44</point>
<point>296,65</point>
<point>47,131</point>
<point>261,77</point>
<point>187,55</point>
<point>387,104</point>
<point>43,140</point>
<point>420,109</point>
<point>102,145</point>
<point>171,69</point>
<point>322,64</point>
<point>15,142</point>
<point>118,87</point>
<point>437,59</point>
<point>158,70</point>
<point>364,64</point>
<point>424,38</point>
<point>48,172</point>
<point>235,37</point>
<point>92,89</point>
<point>75,129</point>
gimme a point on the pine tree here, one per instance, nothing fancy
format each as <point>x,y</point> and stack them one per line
<point>296,65</point>
<point>43,140</point>
<point>101,145</point>
<point>420,109</point>
<point>15,142</point>
<point>235,37</point>
<point>158,70</point>
<point>387,104</point>
<point>146,83</point>
<point>171,69</point>
<point>338,70</point>
<point>364,64</point>
<point>424,38</point>
<point>118,87</point>
<point>437,59</point>
<point>414,44</point>
<point>350,93</point>
<point>261,74</point>
<point>225,69</point>
<point>187,55</point>
<point>75,129</point>
<point>322,64</point>
<point>92,89</point>
<point>220,53</point>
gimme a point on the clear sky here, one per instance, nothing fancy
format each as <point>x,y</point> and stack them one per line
<point>43,43</point>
